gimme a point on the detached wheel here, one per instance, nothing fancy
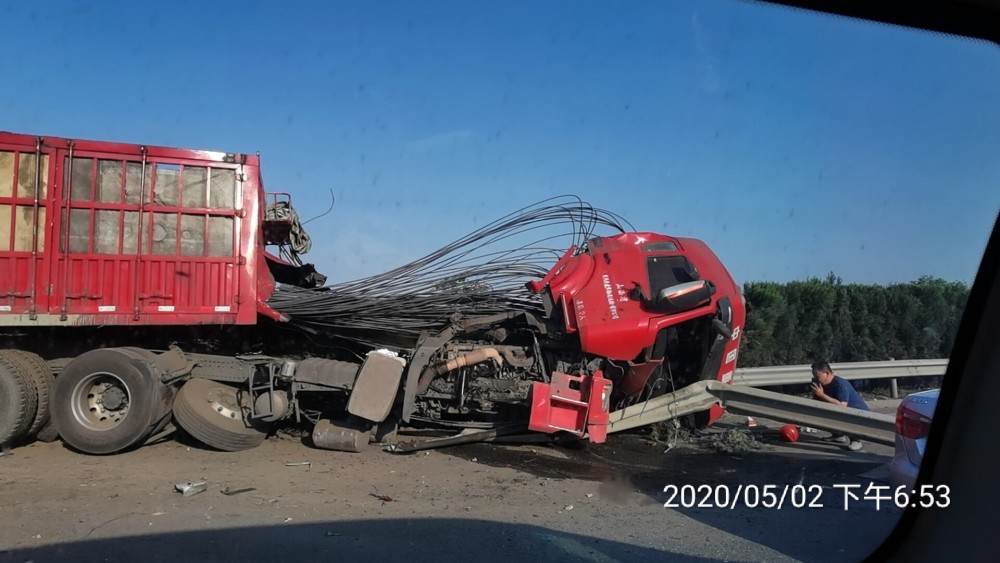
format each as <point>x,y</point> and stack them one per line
<point>41,376</point>
<point>18,401</point>
<point>107,401</point>
<point>213,413</point>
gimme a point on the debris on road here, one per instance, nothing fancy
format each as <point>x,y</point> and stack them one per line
<point>299,464</point>
<point>735,441</point>
<point>226,491</point>
<point>670,433</point>
<point>190,489</point>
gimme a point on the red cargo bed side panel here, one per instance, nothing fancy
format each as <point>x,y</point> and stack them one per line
<point>136,235</point>
<point>23,248</point>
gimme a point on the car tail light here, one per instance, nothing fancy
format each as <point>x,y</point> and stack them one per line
<point>910,424</point>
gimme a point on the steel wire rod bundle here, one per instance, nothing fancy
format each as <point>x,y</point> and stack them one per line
<point>481,273</point>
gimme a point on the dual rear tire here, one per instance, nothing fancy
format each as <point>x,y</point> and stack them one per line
<point>18,400</point>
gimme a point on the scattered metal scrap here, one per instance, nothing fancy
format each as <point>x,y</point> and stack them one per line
<point>465,437</point>
<point>188,488</point>
<point>228,492</point>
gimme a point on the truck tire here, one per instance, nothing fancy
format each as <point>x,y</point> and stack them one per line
<point>48,433</point>
<point>57,365</point>
<point>168,392</point>
<point>41,376</point>
<point>106,401</point>
<point>213,413</point>
<point>18,401</point>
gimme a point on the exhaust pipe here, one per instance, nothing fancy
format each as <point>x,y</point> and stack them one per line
<point>474,357</point>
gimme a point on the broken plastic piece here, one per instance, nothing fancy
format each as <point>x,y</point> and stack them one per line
<point>190,489</point>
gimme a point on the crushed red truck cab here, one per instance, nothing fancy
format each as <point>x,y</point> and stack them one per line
<point>624,295</point>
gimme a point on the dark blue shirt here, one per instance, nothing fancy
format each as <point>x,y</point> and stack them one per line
<point>842,390</point>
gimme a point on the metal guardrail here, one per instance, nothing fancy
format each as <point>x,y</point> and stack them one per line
<point>741,397</point>
<point>867,425</point>
<point>802,374</point>
<point>875,427</point>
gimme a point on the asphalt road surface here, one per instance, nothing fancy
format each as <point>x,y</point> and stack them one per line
<point>483,502</point>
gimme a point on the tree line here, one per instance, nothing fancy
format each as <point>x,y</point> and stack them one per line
<point>800,321</point>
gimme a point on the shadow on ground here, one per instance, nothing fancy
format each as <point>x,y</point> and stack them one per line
<point>634,469</point>
<point>413,540</point>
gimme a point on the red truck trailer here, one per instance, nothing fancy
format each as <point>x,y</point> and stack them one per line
<point>136,294</point>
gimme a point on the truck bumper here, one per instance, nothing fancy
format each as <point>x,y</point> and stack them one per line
<point>574,404</point>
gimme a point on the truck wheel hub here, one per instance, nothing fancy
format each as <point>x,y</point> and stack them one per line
<point>100,401</point>
<point>224,403</point>
<point>113,399</point>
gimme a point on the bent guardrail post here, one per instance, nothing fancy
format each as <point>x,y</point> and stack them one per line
<point>690,399</point>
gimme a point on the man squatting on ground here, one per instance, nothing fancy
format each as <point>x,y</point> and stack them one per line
<point>837,391</point>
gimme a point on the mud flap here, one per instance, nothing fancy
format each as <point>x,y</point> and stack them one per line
<point>575,404</point>
<point>377,385</point>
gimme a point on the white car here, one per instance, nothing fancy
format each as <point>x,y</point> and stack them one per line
<point>913,422</point>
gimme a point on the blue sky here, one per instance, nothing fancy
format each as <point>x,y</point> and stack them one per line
<point>835,145</point>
